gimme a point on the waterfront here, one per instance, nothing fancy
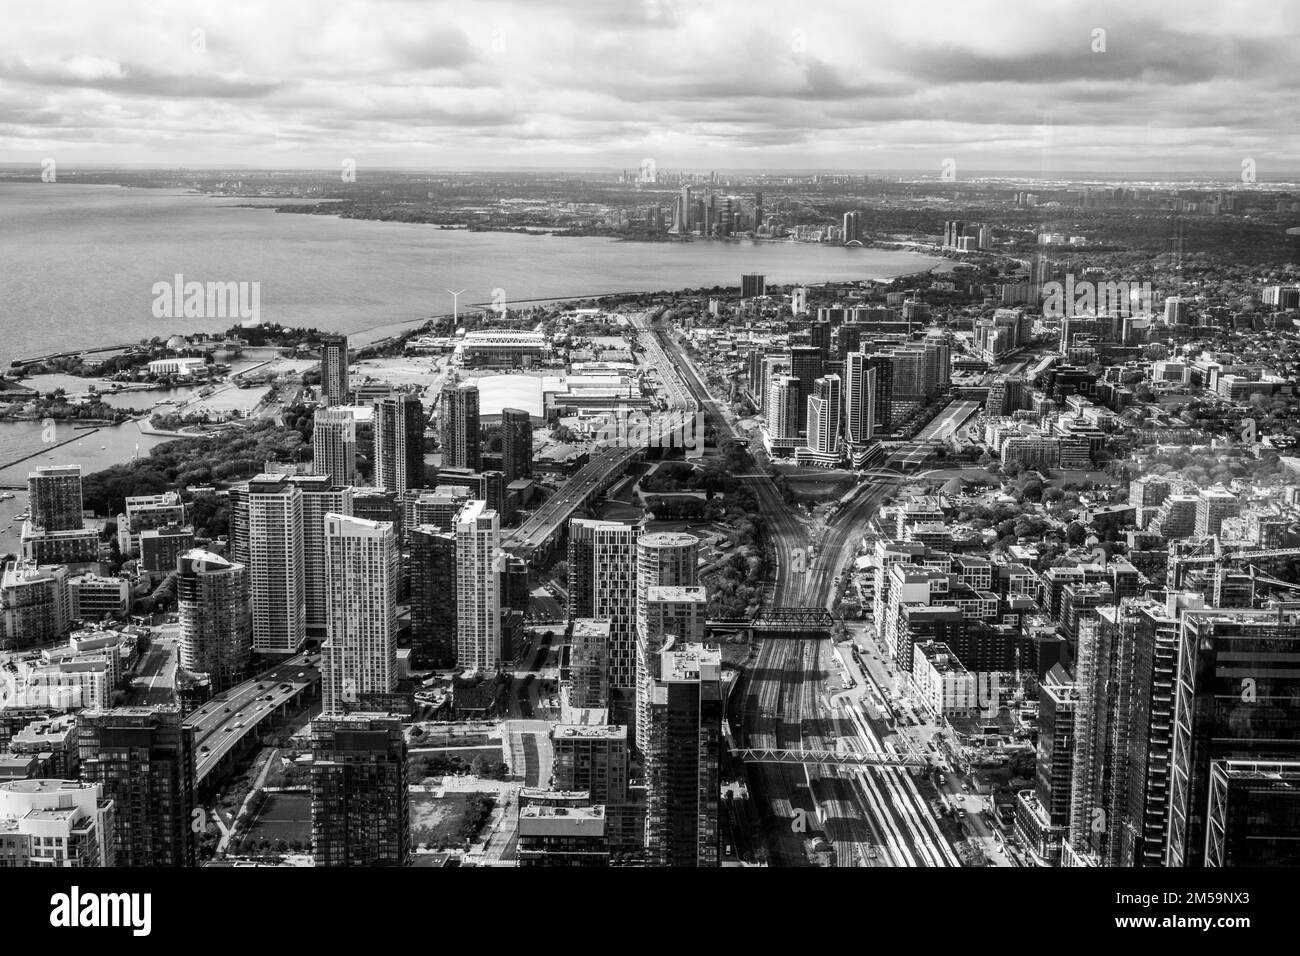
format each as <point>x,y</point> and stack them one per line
<point>81,262</point>
<point>23,447</point>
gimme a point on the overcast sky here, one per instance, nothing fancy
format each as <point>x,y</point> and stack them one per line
<point>864,84</point>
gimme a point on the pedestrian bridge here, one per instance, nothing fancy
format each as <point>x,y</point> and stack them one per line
<point>834,758</point>
<point>794,622</point>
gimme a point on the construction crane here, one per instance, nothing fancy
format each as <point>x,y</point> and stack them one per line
<point>1259,577</point>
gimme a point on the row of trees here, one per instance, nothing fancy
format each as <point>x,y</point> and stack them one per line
<point>440,765</point>
<point>58,407</point>
<point>227,456</point>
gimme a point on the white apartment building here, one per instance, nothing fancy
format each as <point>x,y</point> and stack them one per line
<point>277,587</point>
<point>670,610</point>
<point>859,399</point>
<point>321,496</point>
<point>782,408</point>
<point>58,823</point>
<point>334,445</point>
<point>360,652</point>
<point>665,559</point>
<point>943,682</point>
<point>478,589</point>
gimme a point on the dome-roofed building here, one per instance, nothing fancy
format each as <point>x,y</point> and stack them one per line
<point>953,486</point>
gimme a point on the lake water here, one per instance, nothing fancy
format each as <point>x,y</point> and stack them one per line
<point>77,388</point>
<point>27,441</point>
<point>78,265</point>
<point>81,447</point>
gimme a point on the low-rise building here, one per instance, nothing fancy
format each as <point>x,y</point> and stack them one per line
<point>562,836</point>
<point>177,366</point>
<point>943,682</point>
<point>73,546</point>
<point>144,512</point>
<point>96,597</point>
<point>58,823</point>
<point>53,742</point>
<point>160,547</point>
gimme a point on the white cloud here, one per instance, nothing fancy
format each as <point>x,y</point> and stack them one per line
<point>708,83</point>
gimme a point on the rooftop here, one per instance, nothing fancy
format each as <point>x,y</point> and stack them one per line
<point>44,785</point>
<point>668,539</point>
<point>589,627</point>
<point>562,821</point>
<point>499,392</point>
<point>605,732</point>
<point>663,592</point>
<point>692,662</point>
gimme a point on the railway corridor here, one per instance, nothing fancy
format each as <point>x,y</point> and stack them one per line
<point>874,817</point>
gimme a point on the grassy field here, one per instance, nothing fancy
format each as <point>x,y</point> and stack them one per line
<point>284,816</point>
<point>437,821</point>
<point>815,485</point>
<point>737,655</point>
<point>617,511</point>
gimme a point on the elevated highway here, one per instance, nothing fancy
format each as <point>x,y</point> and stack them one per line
<point>226,722</point>
<point>543,528</point>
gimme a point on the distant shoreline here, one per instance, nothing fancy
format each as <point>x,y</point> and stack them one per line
<point>814,261</point>
<point>401,325</point>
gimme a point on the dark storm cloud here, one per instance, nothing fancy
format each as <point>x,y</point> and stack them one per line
<point>1146,53</point>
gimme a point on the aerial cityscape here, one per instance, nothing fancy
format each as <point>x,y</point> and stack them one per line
<point>421,450</point>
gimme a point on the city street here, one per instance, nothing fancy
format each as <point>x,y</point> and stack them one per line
<point>153,682</point>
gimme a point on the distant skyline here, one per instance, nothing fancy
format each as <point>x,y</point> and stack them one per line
<point>1281,177</point>
<point>1169,89</point>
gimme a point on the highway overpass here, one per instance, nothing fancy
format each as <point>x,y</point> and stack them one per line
<point>544,527</point>
<point>237,716</point>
